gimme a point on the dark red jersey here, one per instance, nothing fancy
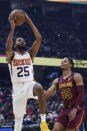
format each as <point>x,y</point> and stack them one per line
<point>68,90</point>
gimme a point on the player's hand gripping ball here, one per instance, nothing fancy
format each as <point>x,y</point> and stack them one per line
<point>19,17</point>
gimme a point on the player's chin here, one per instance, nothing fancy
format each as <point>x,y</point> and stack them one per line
<point>62,68</point>
<point>21,44</point>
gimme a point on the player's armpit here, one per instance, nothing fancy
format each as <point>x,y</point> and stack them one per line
<point>78,79</point>
<point>10,55</point>
<point>52,89</point>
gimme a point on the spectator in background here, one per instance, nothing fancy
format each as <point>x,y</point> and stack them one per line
<point>2,120</point>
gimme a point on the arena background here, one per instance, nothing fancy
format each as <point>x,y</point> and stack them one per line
<point>63,27</point>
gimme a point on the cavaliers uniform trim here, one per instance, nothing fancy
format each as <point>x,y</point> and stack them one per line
<point>78,126</point>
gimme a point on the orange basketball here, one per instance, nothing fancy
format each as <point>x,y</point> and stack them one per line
<point>20,17</point>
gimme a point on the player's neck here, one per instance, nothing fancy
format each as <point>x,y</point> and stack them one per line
<point>66,73</point>
<point>21,52</point>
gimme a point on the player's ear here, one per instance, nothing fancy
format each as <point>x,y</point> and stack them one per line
<point>25,44</point>
<point>71,65</point>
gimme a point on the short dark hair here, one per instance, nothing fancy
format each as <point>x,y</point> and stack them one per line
<point>71,62</point>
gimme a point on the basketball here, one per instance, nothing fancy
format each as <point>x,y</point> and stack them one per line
<point>19,17</point>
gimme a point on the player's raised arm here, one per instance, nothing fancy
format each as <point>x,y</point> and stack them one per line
<point>52,89</point>
<point>9,43</point>
<point>36,45</point>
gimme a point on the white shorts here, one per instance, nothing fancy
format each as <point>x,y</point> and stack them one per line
<point>20,96</point>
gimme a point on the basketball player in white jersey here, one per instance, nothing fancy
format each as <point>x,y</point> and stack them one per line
<point>21,71</point>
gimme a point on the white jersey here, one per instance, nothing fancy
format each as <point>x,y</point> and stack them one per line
<point>21,68</point>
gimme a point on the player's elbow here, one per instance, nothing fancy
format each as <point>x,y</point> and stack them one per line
<point>7,49</point>
<point>39,39</point>
<point>46,94</point>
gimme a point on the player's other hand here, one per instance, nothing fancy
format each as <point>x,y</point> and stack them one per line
<point>11,19</point>
<point>72,114</point>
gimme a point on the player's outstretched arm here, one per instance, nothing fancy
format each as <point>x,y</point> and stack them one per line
<point>36,45</point>
<point>52,89</point>
<point>9,43</point>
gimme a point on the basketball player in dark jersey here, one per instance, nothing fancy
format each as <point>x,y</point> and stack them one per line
<point>71,89</point>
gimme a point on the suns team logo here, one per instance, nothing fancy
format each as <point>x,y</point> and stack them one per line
<point>19,62</point>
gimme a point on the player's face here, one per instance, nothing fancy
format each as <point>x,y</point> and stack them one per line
<point>65,64</point>
<point>20,44</point>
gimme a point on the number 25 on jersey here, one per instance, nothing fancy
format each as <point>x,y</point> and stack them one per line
<point>23,71</point>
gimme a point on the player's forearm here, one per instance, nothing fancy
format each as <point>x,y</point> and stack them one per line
<point>9,42</point>
<point>34,29</point>
<point>49,92</point>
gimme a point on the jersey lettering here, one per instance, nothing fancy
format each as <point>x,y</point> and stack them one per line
<point>66,84</point>
<point>19,62</point>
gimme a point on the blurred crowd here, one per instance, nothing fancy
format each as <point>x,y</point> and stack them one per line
<point>32,116</point>
<point>62,36</point>
<point>58,41</point>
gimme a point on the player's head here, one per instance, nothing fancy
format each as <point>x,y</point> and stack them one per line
<point>67,63</point>
<point>20,44</point>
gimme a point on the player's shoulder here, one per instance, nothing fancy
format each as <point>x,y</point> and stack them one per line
<point>28,50</point>
<point>77,76</point>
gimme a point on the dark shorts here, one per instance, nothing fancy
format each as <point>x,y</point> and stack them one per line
<point>64,119</point>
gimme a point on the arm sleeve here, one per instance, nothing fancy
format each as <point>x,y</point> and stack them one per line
<point>80,97</point>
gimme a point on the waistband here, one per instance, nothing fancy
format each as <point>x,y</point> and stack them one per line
<point>71,106</point>
<point>22,83</point>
